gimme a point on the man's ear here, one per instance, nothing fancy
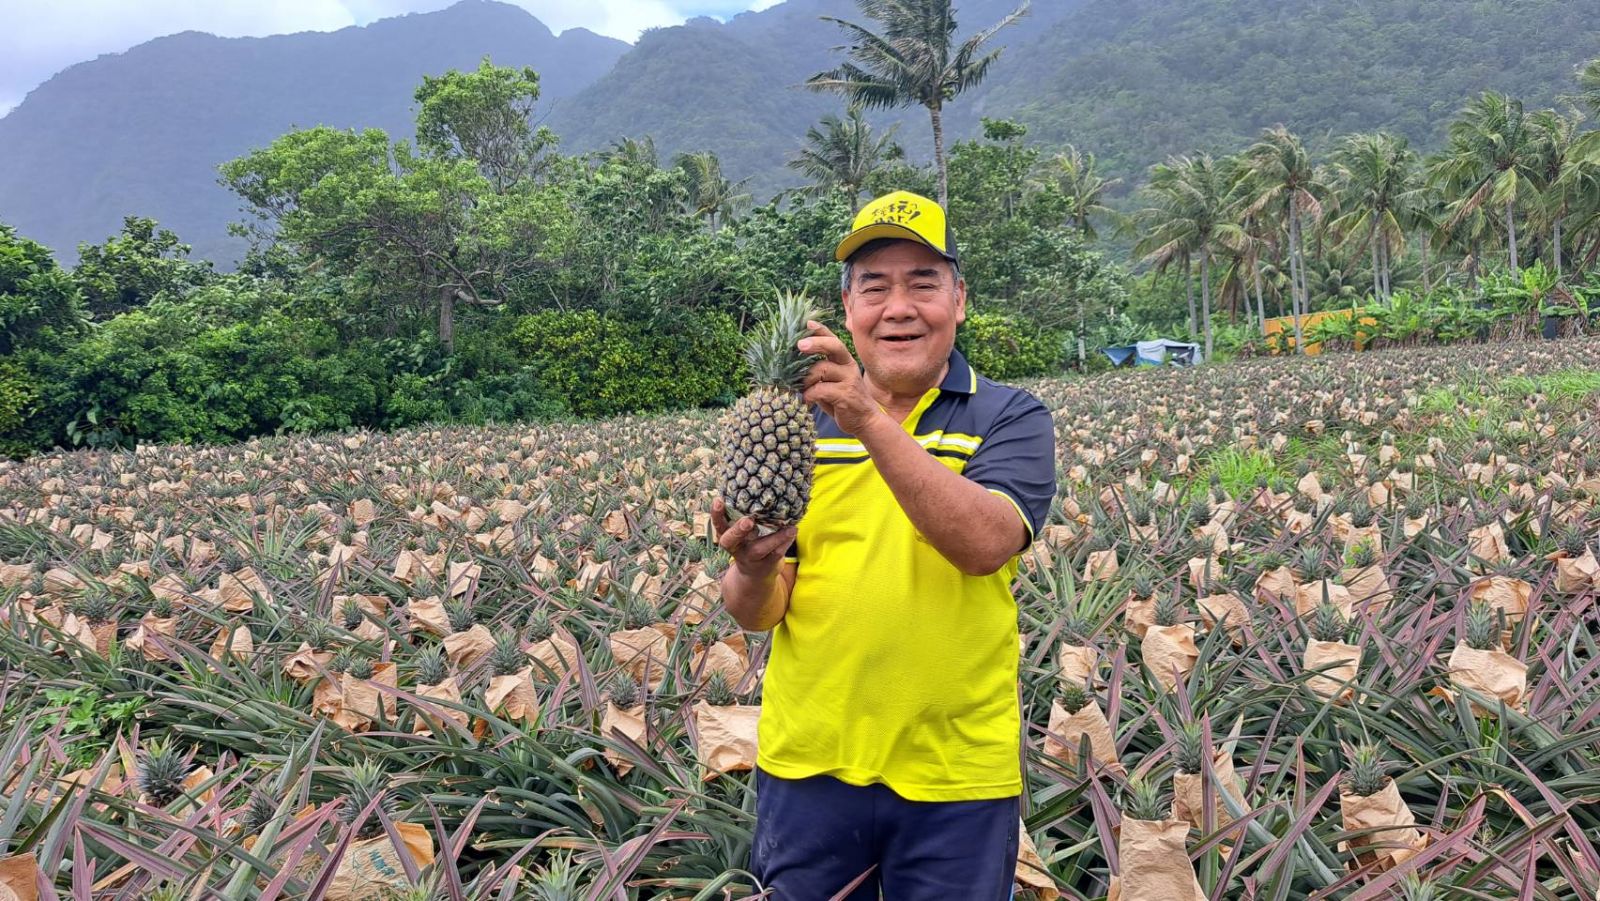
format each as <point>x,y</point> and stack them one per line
<point>961,301</point>
<point>844,298</point>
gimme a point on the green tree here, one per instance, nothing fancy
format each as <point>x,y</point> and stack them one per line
<point>1589,85</point>
<point>485,117</point>
<point>1076,175</point>
<point>1375,177</point>
<point>842,154</point>
<point>1491,161</point>
<point>712,196</point>
<point>911,61</point>
<point>134,266</point>
<point>1192,215</point>
<point>41,309</point>
<point>1280,180</point>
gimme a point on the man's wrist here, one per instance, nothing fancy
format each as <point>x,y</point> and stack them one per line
<point>877,428</point>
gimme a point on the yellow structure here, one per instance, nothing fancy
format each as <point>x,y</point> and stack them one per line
<point>1283,327</point>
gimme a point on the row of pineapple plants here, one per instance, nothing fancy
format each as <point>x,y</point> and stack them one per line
<point>494,659</point>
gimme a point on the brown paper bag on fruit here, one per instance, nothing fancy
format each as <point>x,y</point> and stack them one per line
<point>432,715</point>
<point>236,592</point>
<point>1339,663</point>
<point>642,653</point>
<point>1188,794</point>
<point>727,737</point>
<point>720,658</point>
<point>1155,862</point>
<point>1203,570</point>
<point>1277,585</point>
<point>466,648</point>
<point>306,664</point>
<point>371,869</point>
<point>1072,727</point>
<point>364,701</point>
<point>1368,585</point>
<point>1311,595</point>
<point>515,694</point>
<point>1488,543</point>
<point>555,656</point>
<point>629,722</point>
<point>1504,593</point>
<point>1101,565</point>
<point>1493,674</point>
<point>327,698</point>
<point>1139,614</point>
<point>1170,653</point>
<point>1077,664</point>
<point>1228,610</point>
<point>1031,873</point>
<point>237,642</point>
<point>1353,535</point>
<point>1575,575</point>
<point>19,878</point>
<point>166,627</point>
<point>427,615</point>
<point>1387,811</point>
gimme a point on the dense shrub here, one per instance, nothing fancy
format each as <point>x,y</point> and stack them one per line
<point>1003,347</point>
<point>604,365</point>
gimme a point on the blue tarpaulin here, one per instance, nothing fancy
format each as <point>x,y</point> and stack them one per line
<point>1159,352</point>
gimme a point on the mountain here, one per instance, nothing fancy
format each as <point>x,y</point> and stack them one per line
<point>142,132</point>
<point>1131,80</point>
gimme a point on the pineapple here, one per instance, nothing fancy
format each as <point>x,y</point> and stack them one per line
<point>352,614</point>
<point>1191,748</point>
<point>1485,625</point>
<point>540,625</point>
<point>1142,800</point>
<point>161,608</point>
<point>718,692</point>
<point>1169,610</point>
<point>1368,772</point>
<point>96,609</point>
<point>360,668</point>
<point>1572,541</point>
<point>460,616</point>
<point>639,614</point>
<point>1074,698</point>
<point>625,692</point>
<point>367,781</point>
<point>161,772</point>
<point>1361,555</point>
<point>507,658</point>
<point>431,668</point>
<point>769,435</point>
<point>1328,624</point>
<point>1314,564</point>
<point>258,811</point>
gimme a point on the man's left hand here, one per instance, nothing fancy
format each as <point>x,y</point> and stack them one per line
<point>835,384</point>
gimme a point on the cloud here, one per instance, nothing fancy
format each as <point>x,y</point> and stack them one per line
<point>43,38</point>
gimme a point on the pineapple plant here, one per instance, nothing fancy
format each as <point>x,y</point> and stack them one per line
<point>1328,624</point>
<point>460,616</point>
<point>625,691</point>
<point>1191,745</point>
<point>540,625</point>
<point>769,437</point>
<point>367,781</point>
<point>1142,800</point>
<point>1369,772</point>
<point>507,658</point>
<point>161,608</point>
<point>259,810</point>
<point>1073,697</point>
<point>1169,610</point>
<point>361,667</point>
<point>1485,624</point>
<point>431,667</point>
<point>352,615</point>
<point>161,771</point>
<point>1361,555</point>
<point>718,693</point>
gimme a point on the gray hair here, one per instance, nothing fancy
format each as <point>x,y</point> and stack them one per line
<point>873,246</point>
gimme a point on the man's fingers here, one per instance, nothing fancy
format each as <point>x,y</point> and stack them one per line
<point>827,344</point>
<point>736,535</point>
<point>719,517</point>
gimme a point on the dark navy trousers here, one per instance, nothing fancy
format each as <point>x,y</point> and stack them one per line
<point>816,836</point>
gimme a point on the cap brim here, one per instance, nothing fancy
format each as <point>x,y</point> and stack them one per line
<point>869,233</point>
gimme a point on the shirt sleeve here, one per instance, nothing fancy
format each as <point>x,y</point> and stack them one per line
<point>1017,460</point>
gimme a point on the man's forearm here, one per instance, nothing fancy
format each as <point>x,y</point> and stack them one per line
<point>756,604</point>
<point>975,530</point>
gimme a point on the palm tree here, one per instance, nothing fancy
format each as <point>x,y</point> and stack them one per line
<point>710,194</point>
<point>1192,215</point>
<point>1589,85</point>
<point>842,154</point>
<point>1075,175</point>
<point>1282,182</point>
<point>911,62</point>
<point>1376,179</point>
<point>1491,159</point>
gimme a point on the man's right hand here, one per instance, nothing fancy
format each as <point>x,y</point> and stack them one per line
<point>757,557</point>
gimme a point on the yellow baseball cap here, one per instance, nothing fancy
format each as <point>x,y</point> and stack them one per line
<point>901,215</point>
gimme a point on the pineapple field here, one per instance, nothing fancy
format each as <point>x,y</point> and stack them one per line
<point>1298,628</point>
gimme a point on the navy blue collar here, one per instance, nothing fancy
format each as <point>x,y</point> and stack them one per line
<point>960,379</point>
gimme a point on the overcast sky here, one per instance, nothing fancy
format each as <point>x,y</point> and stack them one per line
<point>41,37</point>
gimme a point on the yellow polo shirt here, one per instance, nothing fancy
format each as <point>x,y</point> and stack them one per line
<point>891,665</point>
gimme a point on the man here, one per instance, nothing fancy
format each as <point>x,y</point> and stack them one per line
<point>889,744</point>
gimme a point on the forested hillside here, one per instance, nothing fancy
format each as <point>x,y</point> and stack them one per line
<point>142,133</point>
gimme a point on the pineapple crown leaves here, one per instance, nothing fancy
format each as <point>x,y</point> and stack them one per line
<point>507,658</point>
<point>361,667</point>
<point>718,693</point>
<point>460,616</point>
<point>366,781</point>
<point>774,360</point>
<point>431,667</point>
<point>351,615</point>
<point>1329,624</point>
<point>1074,697</point>
<point>1191,745</point>
<point>625,691</point>
<point>1361,555</point>
<point>1572,541</point>
<point>1142,800</point>
<point>1485,625</point>
<point>540,625</point>
<point>162,770</point>
<point>1169,610</point>
<point>1368,772</point>
<point>259,810</point>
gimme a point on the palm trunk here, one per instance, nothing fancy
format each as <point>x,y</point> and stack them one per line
<point>1205,297</point>
<point>1188,290</point>
<point>1557,245</point>
<point>1261,304</point>
<point>1388,270</point>
<point>936,114</point>
<point>1377,271</point>
<point>1296,271</point>
<point>1511,238</point>
<point>1427,280</point>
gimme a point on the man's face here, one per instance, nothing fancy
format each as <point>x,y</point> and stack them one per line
<point>902,308</point>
